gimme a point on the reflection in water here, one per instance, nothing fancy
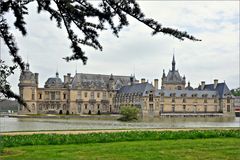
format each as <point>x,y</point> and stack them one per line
<point>30,124</point>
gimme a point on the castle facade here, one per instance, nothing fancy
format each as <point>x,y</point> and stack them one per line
<point>99,94</point>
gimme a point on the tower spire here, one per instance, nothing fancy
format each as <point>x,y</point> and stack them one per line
<point>57,74</point>
<point>27,64</point>
<point>173,63</point>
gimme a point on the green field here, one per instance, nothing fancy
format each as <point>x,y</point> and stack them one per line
<point>214,148</point>
<point>194,144</point>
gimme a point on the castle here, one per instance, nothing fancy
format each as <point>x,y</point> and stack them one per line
<point>99,94</point>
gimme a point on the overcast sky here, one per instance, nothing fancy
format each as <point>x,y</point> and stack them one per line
<point>136,51</point>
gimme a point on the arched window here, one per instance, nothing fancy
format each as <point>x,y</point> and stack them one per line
<point>33,106</point>
<point>64,107</point>
<point>79,108</point>
<point>40,107</point>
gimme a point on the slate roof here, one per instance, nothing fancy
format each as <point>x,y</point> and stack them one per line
<point>138,88</point>
<point>189,88</point>
<point>54,82</point>
<point>221,88</point>
<point>174,77</point>
<point>27,75</point>
<point>188,93</point>
<point>98,81</point>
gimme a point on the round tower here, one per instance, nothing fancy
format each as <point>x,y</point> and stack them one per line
<point>28,91</point>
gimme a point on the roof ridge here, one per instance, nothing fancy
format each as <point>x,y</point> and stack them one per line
<point>102,74</point>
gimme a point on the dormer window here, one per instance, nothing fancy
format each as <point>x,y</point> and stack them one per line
<point>150,97</point>
<point>228,100</point>
<point>194,95</point>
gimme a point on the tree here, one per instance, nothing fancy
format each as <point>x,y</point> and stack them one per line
<point>235,92</point>
<point>129,113</point>
<point>78,13</point>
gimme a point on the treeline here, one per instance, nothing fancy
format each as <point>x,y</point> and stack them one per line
<point>236,92</point>
<point>6,105</point>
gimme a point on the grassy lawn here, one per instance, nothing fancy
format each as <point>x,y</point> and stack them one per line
<point>212,148</point>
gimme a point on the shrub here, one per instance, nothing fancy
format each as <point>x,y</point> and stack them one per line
<point>129,113</point>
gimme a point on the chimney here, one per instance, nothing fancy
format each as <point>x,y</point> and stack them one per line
<point>65,79</point>
<point>202,85</point>
<point>156,84</point>
<point>131,80</point>
<point>143,80</point>
<point>215,83</point>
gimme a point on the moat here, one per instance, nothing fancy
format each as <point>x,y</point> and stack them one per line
<point>8,124</point>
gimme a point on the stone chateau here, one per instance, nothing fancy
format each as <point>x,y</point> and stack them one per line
<point>99,94</point>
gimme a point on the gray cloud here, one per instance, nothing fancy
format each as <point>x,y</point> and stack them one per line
<point>217,56</point>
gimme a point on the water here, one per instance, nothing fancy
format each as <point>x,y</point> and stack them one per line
<point>35,124</point>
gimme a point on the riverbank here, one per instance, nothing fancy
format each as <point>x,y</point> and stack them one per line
<point>110,131</point>
<point>63,116</point>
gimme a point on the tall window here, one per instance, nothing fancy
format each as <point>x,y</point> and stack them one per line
<point>40,107</point>
<point>64,96</point>
<point>40,96</point>
<point>98,95</point>
<point>184,108</point>
<point>205,100</point>
<point>215,108</point>
<point>47,95</point>
<point>104,95</point>
<point>161,108</point>
<point>194,108</point>
<point>92,95</point>
<point>162,97</point>
<point>151,107</point>
<point>33,106</point>
<point>79,108</point>
<point>184,100</point>
<point>173,98</point>
<point>85,94</point>
<point>64,107</point>
<point>173,108</point>
<point>57,95</point>
<point>33,94</point>
<point>205,108</point>
<point>150,97</point>
<point>228,108</point>
<point>52,95</point>
<point>228,100</point>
